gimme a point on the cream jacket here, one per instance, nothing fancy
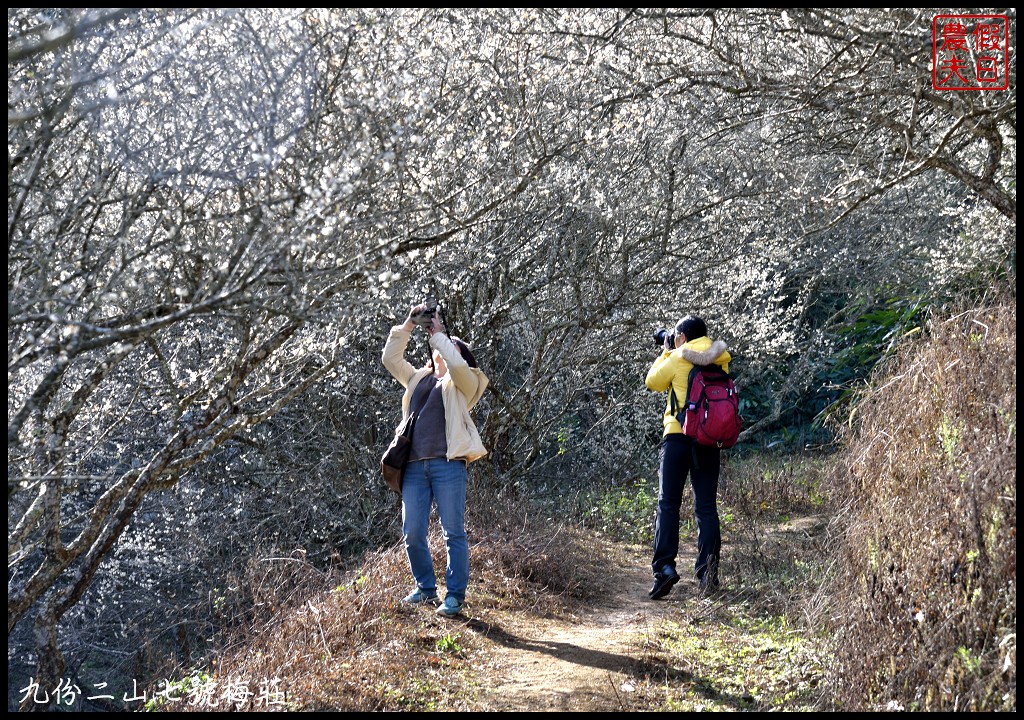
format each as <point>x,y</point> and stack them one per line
<point>672,370</point>
<point>461,389</point>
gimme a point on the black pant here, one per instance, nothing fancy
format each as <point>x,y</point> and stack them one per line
<point>682,456</point>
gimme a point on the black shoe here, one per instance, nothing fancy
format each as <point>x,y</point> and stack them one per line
<point>663,582</point>
<point>708,586</point>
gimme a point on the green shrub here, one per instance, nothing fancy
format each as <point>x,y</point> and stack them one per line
<point>627,512</point>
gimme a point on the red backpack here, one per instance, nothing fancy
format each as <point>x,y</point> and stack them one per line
<point>711,415</point>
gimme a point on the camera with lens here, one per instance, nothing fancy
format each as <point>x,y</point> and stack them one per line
<point>424,318</point>
<point>661,336</point>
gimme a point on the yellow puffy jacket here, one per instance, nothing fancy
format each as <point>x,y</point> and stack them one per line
<point>672,370</point>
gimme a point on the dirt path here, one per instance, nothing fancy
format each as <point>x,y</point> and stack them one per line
<point>621,651</point>
<point>588,662</point>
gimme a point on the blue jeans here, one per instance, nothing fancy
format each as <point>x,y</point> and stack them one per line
<point>682,456</point>
<point>444,481</point>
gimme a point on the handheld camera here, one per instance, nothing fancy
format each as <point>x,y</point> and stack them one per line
<point>425,317</point>
<point>661,335</point>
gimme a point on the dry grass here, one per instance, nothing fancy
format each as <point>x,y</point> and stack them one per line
<point>925,608</point>
<point>347,643</point>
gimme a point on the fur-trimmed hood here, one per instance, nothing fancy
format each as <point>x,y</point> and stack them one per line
<point>693,353</point>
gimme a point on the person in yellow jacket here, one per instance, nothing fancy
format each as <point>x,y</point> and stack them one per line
<point>444,440</point>
<point>681,456</point>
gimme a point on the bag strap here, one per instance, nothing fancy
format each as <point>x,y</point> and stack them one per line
<point>426,396</point>
<point>674,401</point>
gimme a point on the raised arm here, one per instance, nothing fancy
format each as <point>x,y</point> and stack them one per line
<point>393,356</point>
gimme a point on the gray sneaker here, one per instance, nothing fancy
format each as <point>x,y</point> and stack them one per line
<point>449,607</point>
<point>419,595</point>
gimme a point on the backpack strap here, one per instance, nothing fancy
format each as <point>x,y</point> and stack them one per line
<point>711,368</point>
<point>674,406</point>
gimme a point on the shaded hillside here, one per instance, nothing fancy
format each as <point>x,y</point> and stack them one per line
<point>926,608</point>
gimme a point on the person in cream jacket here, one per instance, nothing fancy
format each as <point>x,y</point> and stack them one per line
<point>444,440</point>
